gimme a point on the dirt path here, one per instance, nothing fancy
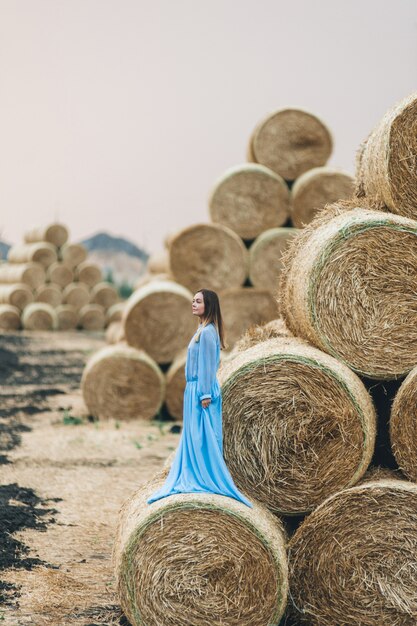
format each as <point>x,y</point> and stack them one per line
<point>63,479</point>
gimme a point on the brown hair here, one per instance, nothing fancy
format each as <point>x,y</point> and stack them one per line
<point>212,313</point>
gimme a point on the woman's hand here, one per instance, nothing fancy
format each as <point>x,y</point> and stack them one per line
<point>205,403</point>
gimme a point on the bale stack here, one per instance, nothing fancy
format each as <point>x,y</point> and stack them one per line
<point>49,270</point>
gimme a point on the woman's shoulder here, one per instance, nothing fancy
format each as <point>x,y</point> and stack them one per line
<point>210,329</point>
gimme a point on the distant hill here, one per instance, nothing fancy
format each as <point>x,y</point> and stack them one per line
<point>104,241</point>
<point>4,248</point>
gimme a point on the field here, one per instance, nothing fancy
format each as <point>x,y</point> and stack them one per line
<point>63,479</point>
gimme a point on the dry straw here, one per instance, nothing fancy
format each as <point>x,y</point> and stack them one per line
<point>265,257</point>
<point>31,274</point>
<point>158,263</point>
<point>353,560</point>
<point>123,383</point>
<point>244,307</point>
<point>49,293</point>
<point>349,285</point>
<point>175,385</point>
<point>73,254</point>
<point>249,199</point>
<point>43,253</point>
<point>76,294</point>
<point>115,312</point>
<point>88,273</point>
<point>403,426</point>
<point>146,278</point>
<point>91,317</point>
<point>114,332</point>
<point>158,318</point>
<point>199,558</point>
<point>19,295</point>
<point>316,188</point>
<point>290,142</point>
<point>210,256</point>
<point>9,317</point>
<point>39,316</point>
<point>298,424</point>
<point>56,234</point>
<point>262,332</point>
<point>104,294</point>
<point>60,274</point>
<point>67,317</point>
<point>386,167</point>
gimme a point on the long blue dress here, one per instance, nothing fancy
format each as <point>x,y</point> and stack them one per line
<point>198,465</point>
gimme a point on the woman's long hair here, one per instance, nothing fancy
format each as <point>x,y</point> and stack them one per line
<point>212,313</point>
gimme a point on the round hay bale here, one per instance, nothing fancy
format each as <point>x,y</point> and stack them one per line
<point>244,307</point>
<point>316,188</point>
<point>39,316</point>
<point>353,560</point>
<point>386,169</point>
<point>298,424</point>
<point>60,274</point>
<point>91,317</point>
<point>403,426</point>
<point>19,295</point>
<point>104,294</point>
<point>43,253</point>
<point>290,142</point>
<point>76,294</point>
<point>265,257</point>
<point>88,273</point>
<point>146,278</point>
<point>56,234</point>
<point>115,312</point>
<point>175,385</point>
<point>72,254</point>
<point>67,317</point>
<point>158,263</point>
<point>123,383</point>
<point>9,317</point>
<point>348,286</point>
<point>31,274</point>
<point>114,332</point>
<point>262,332</point>
<point>158,318</point>
<point>49,293</point>
<point>199,558</point>
<point>249,199</point>
<point>210,256</point>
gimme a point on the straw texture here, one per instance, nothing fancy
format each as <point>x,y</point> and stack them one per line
<point>123,383</point>
<point>249,199</point>
<point>19,295</point>
<point>43,253</point>
<point>31,274</point>
<point>262,332</point>
<point>316,188</point>
<point>72,254</point>
<point>158,318</point>
<point>67,317</point>
<point>60,274</point>
<point>298,424</point>
<point>88,273</point>
<point>354,559</point>
<point>403,426</point>
<point>56,234</point>
<point>349,285</point>
<point>265,257</point>
<point>91,317</point>
<point>39,316</point>
<point>290,142</point>
<point>386,168</point>
<point>76,294</point>
<point>199,559</point>
<point>104,294</point>
<point>9,317</point>
<point>158,263</point>
<point>115,312</point>
<point>175,385</point>
<point>49,293</point>
<point>208,254</point>
<point>114,332</point>
<point>244,307</point>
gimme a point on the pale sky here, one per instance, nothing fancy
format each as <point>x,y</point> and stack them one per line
<point>119,115</point>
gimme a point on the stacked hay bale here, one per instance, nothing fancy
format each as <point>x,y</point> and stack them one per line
<point>51,285</point>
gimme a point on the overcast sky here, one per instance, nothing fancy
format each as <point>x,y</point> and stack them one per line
<point>119,115</point>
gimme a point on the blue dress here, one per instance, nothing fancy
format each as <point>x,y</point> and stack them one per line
<point>198,465</point>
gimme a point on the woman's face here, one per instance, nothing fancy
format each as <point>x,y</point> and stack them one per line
<point>198,304</point>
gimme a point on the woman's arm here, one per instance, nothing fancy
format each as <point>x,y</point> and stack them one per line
<point>207,365</point>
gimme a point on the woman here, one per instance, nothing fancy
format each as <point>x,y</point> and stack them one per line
<point>198,466</point>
